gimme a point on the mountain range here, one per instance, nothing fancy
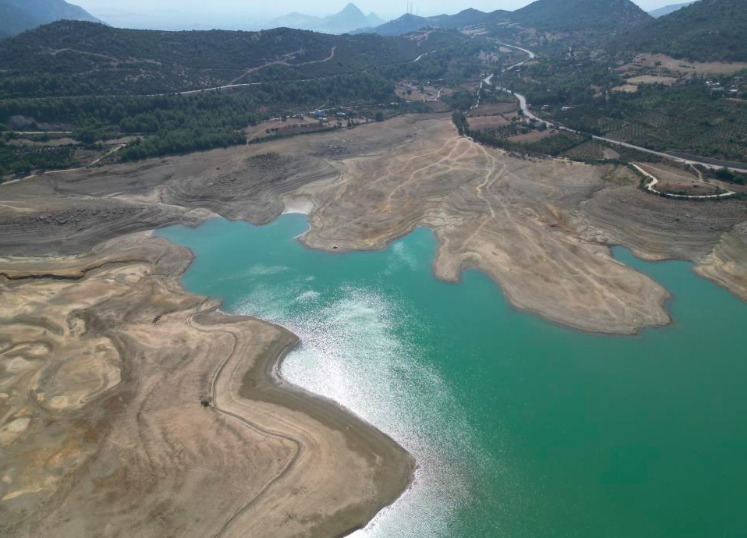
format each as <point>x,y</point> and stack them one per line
<point>411,23</point>
<point>17,16</point>
<point>666,10</point>
<point>548,15</point>
<point>706,30</point>
<point>94,59</point>
<point>349,19</point>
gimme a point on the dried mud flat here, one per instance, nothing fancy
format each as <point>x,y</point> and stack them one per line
<point>105,362</point>
<point>104,357</point>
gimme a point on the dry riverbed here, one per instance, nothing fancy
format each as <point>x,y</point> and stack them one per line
<point>104,357</point>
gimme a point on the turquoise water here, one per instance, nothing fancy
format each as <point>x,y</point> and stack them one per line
<point>521,428</point>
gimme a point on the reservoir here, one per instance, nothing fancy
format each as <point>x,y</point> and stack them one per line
<point>521,428</point>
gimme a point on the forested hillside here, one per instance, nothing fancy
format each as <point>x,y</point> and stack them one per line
<point>709,30</point>
<point>77,58</point>
<point>96,83</point>
<point>411,23</point>
<point>401,26</point>
<point>102,83</point>
<point>581,15</point>
<point>585,16</point>
<point>469,17</point>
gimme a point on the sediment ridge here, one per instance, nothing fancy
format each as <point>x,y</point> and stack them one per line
<point>105,369</point>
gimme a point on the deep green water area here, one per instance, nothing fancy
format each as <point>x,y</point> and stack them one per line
<point>521,428</point>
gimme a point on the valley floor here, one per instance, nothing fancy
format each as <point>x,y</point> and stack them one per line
<point>106,357</point>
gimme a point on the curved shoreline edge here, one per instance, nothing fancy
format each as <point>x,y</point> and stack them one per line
<point>265,459</point>
<point>260,382</point>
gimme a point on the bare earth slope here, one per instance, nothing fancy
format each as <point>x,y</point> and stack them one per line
<point>104,366</point>
<point>104,357</point>
<point>727,264</point>
<point>507,217</point>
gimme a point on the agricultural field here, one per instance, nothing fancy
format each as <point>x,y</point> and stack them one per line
<point>666,64</point>
<point>681,118</point>
<point>490,109</point>
<point>652,79</point>
<point>531,137</point>
<point>489,123</point>
<point>414,91</point>
<point>523,138</point>
<point>592,151</point>
<point>19,160</point>
<point>283,127</point>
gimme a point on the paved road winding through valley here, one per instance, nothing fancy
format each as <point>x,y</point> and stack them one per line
<point>525,109</point>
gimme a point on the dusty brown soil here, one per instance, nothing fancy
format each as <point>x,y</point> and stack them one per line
<point>415,168</point>
<point>505,216</point>
<point>290,126</point>
<point>632,84</point>
<point>532,136</point>
<point>726,263</point>
<point>674,180</point>
<point>488,122</point>
<point>652,79</point>
<point>410,91</point>
<point>104,362</point>
<point>491,109</point>
<point>664,62</point>
<point>658,228</point>
<point>626,88</point>
<point>53,142</point>
<point>103,357</point>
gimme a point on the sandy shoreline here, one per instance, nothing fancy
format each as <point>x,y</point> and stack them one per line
<point>260,383</point>
<point>346,469</point>
<point>263,382</point>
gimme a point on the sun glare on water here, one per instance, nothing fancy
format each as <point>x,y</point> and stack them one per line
<point>357,349</point>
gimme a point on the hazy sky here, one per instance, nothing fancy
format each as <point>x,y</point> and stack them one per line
<point>242,11</point>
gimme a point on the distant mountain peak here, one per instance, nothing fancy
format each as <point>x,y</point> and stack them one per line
<point>351,9</point>
<point>666,10</point>
<point>348,19</point>
<point>372,20</point>
<point>471,11</point>
<point>17,16</point>
<point>410,22</point>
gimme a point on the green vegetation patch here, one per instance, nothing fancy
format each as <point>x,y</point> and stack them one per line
<point>707,31</point>
<point>70,58</point>
<point>22,160</point>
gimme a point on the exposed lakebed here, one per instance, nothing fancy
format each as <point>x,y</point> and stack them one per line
<point>521,428</point>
